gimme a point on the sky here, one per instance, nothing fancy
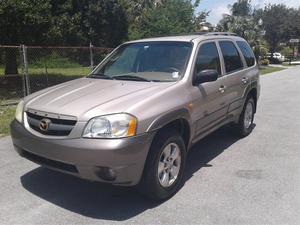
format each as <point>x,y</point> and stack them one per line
<point>218,7</point>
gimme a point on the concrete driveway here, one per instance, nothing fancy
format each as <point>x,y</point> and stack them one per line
<point>255,180</point>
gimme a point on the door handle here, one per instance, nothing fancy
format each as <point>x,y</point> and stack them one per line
<point>222,89</point>
<point>245,80</point>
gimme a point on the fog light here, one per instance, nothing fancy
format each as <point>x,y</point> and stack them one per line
<point>106,173</point>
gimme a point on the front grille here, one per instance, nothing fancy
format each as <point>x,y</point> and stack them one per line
<point>49,162</point>
<point>56,127</point>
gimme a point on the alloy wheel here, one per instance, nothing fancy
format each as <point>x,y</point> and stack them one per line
<point>169,165</point>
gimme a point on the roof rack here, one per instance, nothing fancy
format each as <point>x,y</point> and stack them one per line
<point>216,33</point>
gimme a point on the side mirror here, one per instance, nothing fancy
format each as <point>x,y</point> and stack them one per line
<point>205,76</point>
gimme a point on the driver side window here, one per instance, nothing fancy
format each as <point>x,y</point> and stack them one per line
<point>208,58</point>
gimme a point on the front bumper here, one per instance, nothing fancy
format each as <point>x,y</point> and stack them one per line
<point>117,161</point>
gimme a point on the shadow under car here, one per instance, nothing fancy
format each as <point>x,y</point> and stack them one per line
<point>104,201</point>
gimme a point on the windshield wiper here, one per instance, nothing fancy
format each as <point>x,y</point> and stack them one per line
<point>100,76</point>
<point>131,77</point>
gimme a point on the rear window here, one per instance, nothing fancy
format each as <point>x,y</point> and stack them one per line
<point>247,53</point>
<point>231,56</point>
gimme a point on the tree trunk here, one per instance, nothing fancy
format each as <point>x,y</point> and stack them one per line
<point>11,61</point>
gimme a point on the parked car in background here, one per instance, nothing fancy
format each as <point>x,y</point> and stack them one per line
<point>277,57</point>
<point>133,120</point>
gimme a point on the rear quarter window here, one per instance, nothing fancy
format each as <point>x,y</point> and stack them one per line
<point>247,53</point>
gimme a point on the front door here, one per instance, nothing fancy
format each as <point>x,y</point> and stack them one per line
<point>209,104</point>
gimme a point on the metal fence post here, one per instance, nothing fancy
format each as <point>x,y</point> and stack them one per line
<point>25,70</point>
<point>91,56</point>
<point>22,67</point>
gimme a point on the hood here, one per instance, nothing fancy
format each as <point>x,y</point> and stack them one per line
<point>77,97</point>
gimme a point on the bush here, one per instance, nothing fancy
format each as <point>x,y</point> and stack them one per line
<point>286,51</point>
<point>264,62</point>
<point>264,52</point>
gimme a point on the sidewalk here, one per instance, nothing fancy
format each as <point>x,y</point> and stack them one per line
<point>280,66</point>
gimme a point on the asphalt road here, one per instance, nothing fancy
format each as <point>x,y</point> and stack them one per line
<point>255,180</point>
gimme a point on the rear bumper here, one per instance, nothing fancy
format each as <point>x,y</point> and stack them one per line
<point>117,161</point>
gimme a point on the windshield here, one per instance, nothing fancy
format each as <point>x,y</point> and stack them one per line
<point>146,61</point>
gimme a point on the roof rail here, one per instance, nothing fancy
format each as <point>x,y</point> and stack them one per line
<point>216,33</point>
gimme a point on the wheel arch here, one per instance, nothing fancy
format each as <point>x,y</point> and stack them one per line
<point>253,93</point>
<point>178,119</point>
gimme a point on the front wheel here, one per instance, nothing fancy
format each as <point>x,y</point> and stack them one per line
<point>163,172</point>
<point>245,125</point>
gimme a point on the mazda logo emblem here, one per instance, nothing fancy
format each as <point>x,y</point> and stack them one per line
<point>44,124</point>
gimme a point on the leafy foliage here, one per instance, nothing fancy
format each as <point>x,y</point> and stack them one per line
<point>101,22</point>
<point>273,17</point>
<point>167,17</point>
<point>241,21</point>
<point>60,22</point>
<point>286,51</point>
<point>280,23</point>
<point>24,21</point>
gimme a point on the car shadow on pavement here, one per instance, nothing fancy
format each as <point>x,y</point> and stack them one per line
<point>102,201</point>
<point>209,148</point>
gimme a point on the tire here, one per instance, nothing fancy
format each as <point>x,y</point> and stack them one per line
<point>245,126</point>
<point>154,183</point>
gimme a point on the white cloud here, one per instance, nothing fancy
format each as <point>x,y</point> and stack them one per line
<point>216,14</point>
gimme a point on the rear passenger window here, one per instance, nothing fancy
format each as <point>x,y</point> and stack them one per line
<point>231,56</point>
<point>247,53</point>
<point>208,58</point>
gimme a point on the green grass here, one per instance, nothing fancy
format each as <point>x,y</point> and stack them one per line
<point>74,71</point>
<point>7,114</point>
<point>40,78</point>
<point>78,71</point>
<point>270,69</point>
<point>287,64</point>
<point>291,65</point>
<point>53,61</point>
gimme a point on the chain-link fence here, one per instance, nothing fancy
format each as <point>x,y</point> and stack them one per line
<point>11,80</point>
<point>27,69</point>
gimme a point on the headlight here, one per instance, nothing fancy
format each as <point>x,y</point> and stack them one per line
<point>19,111</point>
<point>111,126</point>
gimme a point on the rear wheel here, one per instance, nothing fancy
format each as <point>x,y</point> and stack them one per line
<point>245,125</point>
<point>163,173</point>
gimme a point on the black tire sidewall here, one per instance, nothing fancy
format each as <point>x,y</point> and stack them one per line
<point>247,131</point>
<point>150,184</point>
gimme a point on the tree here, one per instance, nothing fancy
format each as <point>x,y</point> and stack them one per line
<point>65,23</point>
<point>274,19</point>
<point>60,22</point>
<point>200,22</point>
<point>165,17</point>
<point>102,22</point>
<point>241,8</point>
<point>135,8</point>
<point>280,23</point>
<point>241,21</point>
<point>22,21</point>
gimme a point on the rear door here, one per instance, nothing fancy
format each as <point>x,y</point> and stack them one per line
<point>233,74</point>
